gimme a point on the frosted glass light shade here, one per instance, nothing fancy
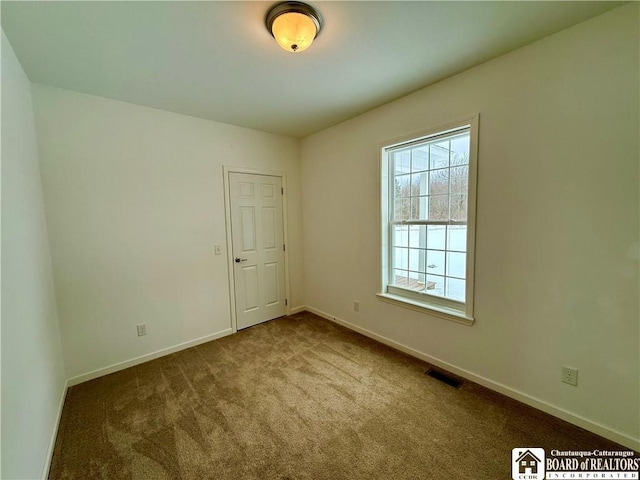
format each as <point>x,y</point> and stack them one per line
<point>294,31</point>
<point>294,25</point>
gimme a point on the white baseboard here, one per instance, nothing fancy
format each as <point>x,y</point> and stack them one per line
<point>602,430</point>
<point>54,434</point>
<point>145,358</point>
<point>294,310</point>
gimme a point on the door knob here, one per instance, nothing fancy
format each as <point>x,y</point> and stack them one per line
<point>238,259</point>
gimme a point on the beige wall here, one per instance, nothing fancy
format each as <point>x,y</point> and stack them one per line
<point>557,223</point>
<point>135,205</point>
<point>33,379</point>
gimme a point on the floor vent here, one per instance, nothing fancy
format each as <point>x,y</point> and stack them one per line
<point>444,377</point>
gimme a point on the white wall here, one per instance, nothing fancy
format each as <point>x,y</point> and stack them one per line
<point>135,205</point>
<point>557,225</point>
<point>33,379</point>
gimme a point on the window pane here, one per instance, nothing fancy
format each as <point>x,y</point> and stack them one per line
<point>420,208</point>
<point>417,260</point>
<point>419,184</point>
<point>403,187</point>
<point>439,154</point>
<point>435,285</point>
<point>402,209</point>
<point>436,235</point>
<point>400,278</point>
<point>456,264</point>
<point>418,236</point>
<point>420,159</point>
<point>458,209</point>
<point>400,235</point>
<point>439,182</point>
<point>439,207</point>
<point>435,262</point>
<point>400,257</point>
<point>415,208</point>
<point>458,238</point>
<point>455,289</point>
<point>460,149</point>
<point>416,281</point>
<point>459,179</point>
<point>401,194</point>
<point>402,162</point>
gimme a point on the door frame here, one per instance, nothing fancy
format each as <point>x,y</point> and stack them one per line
<point>226,170</point>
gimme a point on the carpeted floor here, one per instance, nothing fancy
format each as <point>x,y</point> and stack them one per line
<point>296,398</point>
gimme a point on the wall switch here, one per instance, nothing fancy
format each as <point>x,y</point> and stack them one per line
<point>217,250</point>
<point>142,329</point>
<point>356,306</point>
<point>570,375</point>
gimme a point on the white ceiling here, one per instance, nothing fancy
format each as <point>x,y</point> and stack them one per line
<point>216,60</point>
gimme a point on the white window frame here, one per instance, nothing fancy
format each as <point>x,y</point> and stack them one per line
<point>461,312</point>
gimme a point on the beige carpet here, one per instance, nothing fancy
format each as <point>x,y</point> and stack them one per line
<point>295,398</point>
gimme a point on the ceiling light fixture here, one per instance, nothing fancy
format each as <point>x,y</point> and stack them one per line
<point>294,25</point>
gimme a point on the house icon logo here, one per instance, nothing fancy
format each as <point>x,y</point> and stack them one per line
<point>527,464</point>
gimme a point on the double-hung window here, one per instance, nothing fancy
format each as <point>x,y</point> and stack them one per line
<point>428,220</point>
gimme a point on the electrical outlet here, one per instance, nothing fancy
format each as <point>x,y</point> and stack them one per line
<point>142,329</point>
<point>356,306</point>
<point>570,375</point>
<point>217,250</point>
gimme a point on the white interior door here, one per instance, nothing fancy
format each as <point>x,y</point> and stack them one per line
<point>257,235</point>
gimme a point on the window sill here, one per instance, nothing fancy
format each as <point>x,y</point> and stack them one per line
<point>436,310</point>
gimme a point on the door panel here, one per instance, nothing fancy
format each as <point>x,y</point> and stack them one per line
<point>251,288</point>
<point>268,191</point>
<point>248,229</point>
<point>269,227</point>
<point>246,190</point>
<point>258,247</point>
<point>271,283</point>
